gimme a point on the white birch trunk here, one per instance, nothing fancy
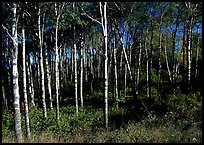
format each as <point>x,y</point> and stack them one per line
<point>85,65</point>
<point>159,69</point>
<point>31,88</point>
<point>104,26</point>
<point>48,81</point>
<point>125,80</point>
<point>5,104</point>
<point>81,75</point>
<point>167,64</point>
<point>91,67</point>
<point>115,69</point>
<point>197,50</point>
<point>147,65</point>
<point>138,68</point>
<point>75,67</point>
<point>75,74</point>
<point>56,64</point>
<point>16,103</point>
<point>189,56</point>
<point>24,81</point>
<point>41,66</point>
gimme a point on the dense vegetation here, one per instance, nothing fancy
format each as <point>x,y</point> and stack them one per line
<point>102,72</point>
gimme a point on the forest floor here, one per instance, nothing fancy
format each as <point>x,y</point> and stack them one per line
<point>88,127</point>
<point>126,125</point>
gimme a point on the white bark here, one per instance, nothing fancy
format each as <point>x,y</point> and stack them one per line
<point>4,96</point>
<point>56,64</point>
<point>189,56</point>
<point>104,26</point>
<point>167,64</point>
<point>138,68</point>
<point>81,75</point>
<point>48,81</point>
<point>75,75</point>
<point>126,58</point>
<point>91,67</point>
<point>197,50</point>
<point>30,82</point>
<point>159,69</point>
<point>125,80</point>
<point>16,103</point>
<point>24,82</point>
<point>75,67</point>
<point>41,66</point>
<point>147,65</point>
<point>115,69</point>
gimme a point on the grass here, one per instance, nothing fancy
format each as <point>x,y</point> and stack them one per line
<point>124,127</point>
<point>88,128</point>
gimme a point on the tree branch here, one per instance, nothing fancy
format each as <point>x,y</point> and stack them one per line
<point>85,14</point>
<point>9,33</point>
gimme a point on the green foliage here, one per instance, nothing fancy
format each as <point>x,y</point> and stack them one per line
<point>121,99</point>
<point>181,103</point>
<point>7,123</point>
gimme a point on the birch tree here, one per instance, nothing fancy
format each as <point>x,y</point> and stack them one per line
<point>40,35</point>
<point>24,80</point>
<point>81,71</point>
<point>16,103</point>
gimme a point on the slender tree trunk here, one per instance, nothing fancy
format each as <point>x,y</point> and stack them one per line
<point>173,55</point>
<point>184,56</point>
<point>125,80</point>
<point>48,80</point>
<point>85,64</point>
<point>91,67</point>
<point>197,50</point>
<point>16,103</point>
<point>138,69</point>
<point>24,81</point>
<point>150,65</point>
<point>30,82</point>
<point>104,25</point>
<point>167,64</point>
<point>56,64</point>
<point>120,71</point>
<point>189,57</point>
<point>99,62</point>
<point>41,65</point>
<point>81,74</point>
<point>115,68</point>
<point>159,68</point>
<point>5,104</point>
<point>75,67</point>
<point>147,64</point>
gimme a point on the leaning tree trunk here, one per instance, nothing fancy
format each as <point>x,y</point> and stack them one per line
<point>16,103</point>
<point>167,64</point>
<point>41,66</point>
<point>24,81</point>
